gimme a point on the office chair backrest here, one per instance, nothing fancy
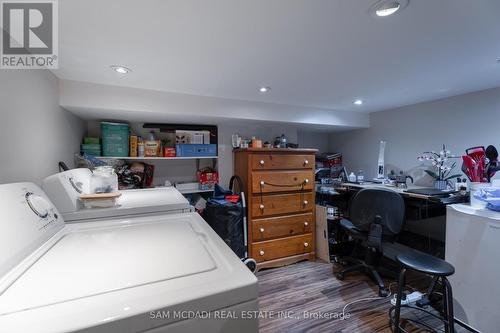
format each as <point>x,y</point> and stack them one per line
<point>368,203</point>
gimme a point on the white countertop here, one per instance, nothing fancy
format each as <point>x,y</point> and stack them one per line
<point>482,212</point>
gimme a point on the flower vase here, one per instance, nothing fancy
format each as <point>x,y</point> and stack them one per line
<point>440,184</point>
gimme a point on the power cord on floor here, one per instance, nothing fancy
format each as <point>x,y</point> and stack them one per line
<point>368,299</point>
<point>373,298</point>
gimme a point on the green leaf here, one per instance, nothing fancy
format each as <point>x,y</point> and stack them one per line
<point>453,176</point>
<point>432,174</point>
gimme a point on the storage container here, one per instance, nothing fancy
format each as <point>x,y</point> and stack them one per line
<point>195,150</point>
<point>91,140</point>
<point>104,180</point>
<point>90,147</point>
<point>169,152</point>
<point>92,152</point>
<point>474,188</point>
<point>114,139</point>
<point>152,148</point>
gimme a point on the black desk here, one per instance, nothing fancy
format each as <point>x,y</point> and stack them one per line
<point>425,226</point>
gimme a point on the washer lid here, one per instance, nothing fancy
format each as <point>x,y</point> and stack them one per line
<point>100,260</point>
<point>133,202</point>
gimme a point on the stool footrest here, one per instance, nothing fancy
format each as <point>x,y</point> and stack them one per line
<point>391,319</point>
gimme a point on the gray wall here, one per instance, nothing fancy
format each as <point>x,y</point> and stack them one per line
<point>459,122</point>
<point>311,139</point>
<point>35,132</point>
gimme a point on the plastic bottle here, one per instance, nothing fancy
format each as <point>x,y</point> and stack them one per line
<point>361,176</point>
<point>151,136</point>
<point>283,141</point>
<point>140,147</point>
<point>352,177</point>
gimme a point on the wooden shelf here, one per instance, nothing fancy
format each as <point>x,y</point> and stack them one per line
<point>274,150</point>
<point>156,158</point>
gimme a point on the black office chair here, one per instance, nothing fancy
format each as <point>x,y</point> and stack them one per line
<point>376,217</point>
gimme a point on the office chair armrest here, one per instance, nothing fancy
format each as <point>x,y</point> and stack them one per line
<point>374,240</point>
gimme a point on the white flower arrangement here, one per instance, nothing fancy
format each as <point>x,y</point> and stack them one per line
<point>441,162</point>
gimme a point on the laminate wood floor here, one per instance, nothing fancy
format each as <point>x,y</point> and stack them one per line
<point>306,297</point>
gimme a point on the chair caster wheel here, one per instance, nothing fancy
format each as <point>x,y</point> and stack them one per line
<point>382,292</point>
<point>340,276</point>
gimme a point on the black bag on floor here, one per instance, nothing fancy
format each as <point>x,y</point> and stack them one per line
<point>226,219</point>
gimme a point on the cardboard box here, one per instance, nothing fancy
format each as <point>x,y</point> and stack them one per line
<point>169,152</point>
<point>192,137</point>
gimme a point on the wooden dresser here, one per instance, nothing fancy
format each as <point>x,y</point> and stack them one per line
<point>280,190</point>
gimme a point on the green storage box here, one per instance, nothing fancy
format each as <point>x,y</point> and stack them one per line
<point>91,141</point>
<point>91,147</point>
<point>92,152</point>
<point>114,139</point>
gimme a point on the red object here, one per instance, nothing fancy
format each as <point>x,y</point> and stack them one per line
<point>337,161</point>
<point>475,163</point>
<point>476,153</point>
<point>169,152</point>
<point>207,178</point>
<point>232,198</point>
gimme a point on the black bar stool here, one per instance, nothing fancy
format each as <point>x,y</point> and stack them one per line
<point>439,270</point>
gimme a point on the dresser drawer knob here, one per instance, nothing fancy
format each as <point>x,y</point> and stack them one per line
<point>261,252</point>
<point>306,180</point>
<point>306,224</point>
<point>261,206</point>
<point>261,229</point>
<point>306,202</point>
<point>262,183</point>
<point>306,162</point>
<point>306,244</point>
<point>261,162</point>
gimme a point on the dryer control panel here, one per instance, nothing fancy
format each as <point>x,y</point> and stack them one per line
<point>41,207</point>
<point>28,220</point>
<point>65,188</point>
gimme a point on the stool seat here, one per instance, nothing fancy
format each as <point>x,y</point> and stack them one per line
<point>425,263</point>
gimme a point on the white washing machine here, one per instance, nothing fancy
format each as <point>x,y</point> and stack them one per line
<point>65,188</point>
<point>163,273</point>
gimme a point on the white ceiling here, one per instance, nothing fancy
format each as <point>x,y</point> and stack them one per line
<point>316,53</point>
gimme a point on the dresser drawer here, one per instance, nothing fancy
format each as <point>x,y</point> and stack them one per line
<point>279,248</point>
<point>281,161</point>
<point>282,181</point>
<point>284,226</point>
<point>267,205</point>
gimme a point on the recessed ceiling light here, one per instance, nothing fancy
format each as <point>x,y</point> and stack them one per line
<point>264,89</point>
<point>388,8</point>
<point>385,8</point>
<point>358,102</point>
<point>121,69</point>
